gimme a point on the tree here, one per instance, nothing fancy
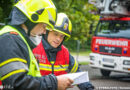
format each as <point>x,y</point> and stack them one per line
<point>77,10</point>
<point>5,8</point>
<point>79,13</point>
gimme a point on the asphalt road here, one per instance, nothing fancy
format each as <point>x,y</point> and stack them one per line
<point>116,81</point>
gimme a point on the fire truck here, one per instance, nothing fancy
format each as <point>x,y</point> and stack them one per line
<point>111,40</point>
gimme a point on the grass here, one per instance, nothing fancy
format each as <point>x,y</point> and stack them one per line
<point>83,63</point>
<point>82,53</point>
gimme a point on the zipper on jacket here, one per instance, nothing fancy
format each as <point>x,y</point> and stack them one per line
<point>52,65</point>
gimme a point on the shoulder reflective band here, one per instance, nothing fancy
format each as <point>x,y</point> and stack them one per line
<point>7,67</point>
<point>12,73</point>
<point>75,67</point>
<point>12,60</point>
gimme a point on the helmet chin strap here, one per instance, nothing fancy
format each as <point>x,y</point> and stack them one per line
<point>46,35</point>
<point>30,25</point>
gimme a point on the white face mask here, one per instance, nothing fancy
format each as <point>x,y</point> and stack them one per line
<point>36,39</point>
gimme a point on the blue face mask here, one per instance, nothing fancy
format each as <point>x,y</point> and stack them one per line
<point>36,39</point>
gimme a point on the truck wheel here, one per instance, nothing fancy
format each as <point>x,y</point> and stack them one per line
<point>105,73</point>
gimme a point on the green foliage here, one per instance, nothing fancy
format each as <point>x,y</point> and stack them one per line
<point>72,45</point>
<point>1,14</point>
<point>84,63</point>
<point>5,8</point>
<point>79,13</point>
<point>77,10</point>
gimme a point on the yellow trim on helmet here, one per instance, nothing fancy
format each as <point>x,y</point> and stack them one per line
<point>70,26</point>
<point>62,33</point>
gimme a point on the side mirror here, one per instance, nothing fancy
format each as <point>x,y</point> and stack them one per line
<point>91,29</point>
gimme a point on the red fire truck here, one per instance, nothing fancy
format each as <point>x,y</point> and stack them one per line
<point>111,41</point>
<point>111,45</point>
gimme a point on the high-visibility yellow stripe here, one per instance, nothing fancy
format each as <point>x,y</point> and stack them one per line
<point>45,69</point>
<point>74,67</point>
<point>45,65</point>
<point>52,62</point>
<point>12,60</point>
<point>54,65</point>
<point>62,65</point>
<point>59,69</point>
<point>12,73</point>
<point>51,69</point>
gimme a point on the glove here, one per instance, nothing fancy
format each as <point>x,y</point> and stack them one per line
<point>86,86</point>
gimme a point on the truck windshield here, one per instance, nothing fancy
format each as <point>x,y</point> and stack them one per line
<point>113,29</point>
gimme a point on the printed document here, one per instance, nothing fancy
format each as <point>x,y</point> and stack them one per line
<point>79,77</point>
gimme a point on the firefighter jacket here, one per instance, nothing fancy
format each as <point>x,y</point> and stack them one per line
<point>18,67</point>
<point>57,61</point>
<point>57,67</point>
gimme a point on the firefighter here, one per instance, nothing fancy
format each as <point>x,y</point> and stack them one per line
<point>19,69</point>
<point>53,56</point>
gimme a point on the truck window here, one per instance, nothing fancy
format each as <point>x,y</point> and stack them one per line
<point>113,28</point>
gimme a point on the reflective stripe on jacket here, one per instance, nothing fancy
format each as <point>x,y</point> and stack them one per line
<point>33,67</point>
<point>60,65</point>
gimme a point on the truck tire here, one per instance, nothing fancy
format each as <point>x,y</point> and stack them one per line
<point>105,73</point>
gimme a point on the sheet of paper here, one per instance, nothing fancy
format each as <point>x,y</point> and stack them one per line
<point>78,78</point>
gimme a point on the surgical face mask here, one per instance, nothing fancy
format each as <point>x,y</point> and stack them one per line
<point>36,39</point>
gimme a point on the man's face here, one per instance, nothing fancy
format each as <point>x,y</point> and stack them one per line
<point>36,32</point>
<point>55,38</point>
<point>38,29</point>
